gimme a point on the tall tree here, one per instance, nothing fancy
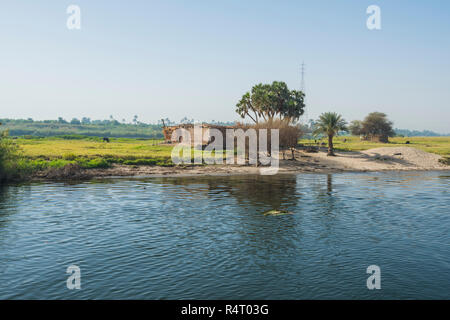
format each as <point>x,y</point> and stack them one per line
<point>377,124</point>
<point>330,124</point>
<point>268,101</point>
<point>355,127</point>
<point>75,121</point>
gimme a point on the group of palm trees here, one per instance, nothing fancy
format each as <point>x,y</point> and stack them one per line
<point>330,124</point>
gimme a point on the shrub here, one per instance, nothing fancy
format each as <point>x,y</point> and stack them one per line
<point>288,134</point>
<point>445,160</point>
<point>8,157</point>
<point>69,156</point>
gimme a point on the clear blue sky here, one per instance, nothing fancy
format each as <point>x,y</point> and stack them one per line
<point>196,58</point>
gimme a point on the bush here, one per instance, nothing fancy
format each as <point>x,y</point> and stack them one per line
<point>445,160</point>
<point>8,157</point>
<point>288,134</point>
<point>93,163</point>
<point>69,156</point>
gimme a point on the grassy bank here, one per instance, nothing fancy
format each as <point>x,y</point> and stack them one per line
<point>37,154</point>
<point>437,145</point>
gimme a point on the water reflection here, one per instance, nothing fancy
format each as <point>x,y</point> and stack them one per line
<point>277,192</point>
<point>207,237</point>
<point>329,184</point>
<point>7,203</point>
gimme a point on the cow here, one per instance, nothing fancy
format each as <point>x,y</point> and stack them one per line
<point>105,139</point>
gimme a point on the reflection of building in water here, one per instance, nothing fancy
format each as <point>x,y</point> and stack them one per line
<point>243,200</point>
<point>276,192</point>
<point>263,192</point>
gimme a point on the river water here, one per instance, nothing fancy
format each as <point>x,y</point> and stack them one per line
<point>208,237</point>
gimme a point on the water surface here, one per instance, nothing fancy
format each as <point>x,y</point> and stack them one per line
<point>208,237</point>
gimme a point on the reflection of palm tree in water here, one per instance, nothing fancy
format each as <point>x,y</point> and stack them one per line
<point>329,184</point>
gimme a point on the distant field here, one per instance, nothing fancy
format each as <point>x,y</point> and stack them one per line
<point>438,145</point>
<point>129,149</point>
<point>92,152</point>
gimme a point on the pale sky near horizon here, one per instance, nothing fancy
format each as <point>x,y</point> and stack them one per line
<point>159,59</point>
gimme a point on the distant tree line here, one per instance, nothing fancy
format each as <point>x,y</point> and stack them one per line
<point>87,127</point>
<point>416,133</point>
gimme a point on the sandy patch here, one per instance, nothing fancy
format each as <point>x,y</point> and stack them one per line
<point>390,158</point>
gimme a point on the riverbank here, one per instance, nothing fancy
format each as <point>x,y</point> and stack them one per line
<point>377,159</point>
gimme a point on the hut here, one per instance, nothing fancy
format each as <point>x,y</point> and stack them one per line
<point>375,138</point>
<point>206,136</point>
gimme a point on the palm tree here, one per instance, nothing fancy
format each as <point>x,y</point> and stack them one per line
<point>330,123</point>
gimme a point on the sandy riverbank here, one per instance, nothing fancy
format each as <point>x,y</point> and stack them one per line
<point>378,159</point>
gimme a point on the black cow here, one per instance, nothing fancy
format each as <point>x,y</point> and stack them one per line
<point>105,139</point>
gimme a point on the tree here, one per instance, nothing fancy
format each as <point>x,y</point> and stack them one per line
<point>61,120</point>
<point>185,120</point>
<point>267,101</point>
<point>355,127</point>
<point>377,124</point>
<point>330,123</point>
<point>85,120</point>
<point>75,121</point>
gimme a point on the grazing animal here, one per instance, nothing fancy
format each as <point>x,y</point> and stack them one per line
<point>323,144</point>
<point>105,139</point>
<point>345,139</point>
<point>407,142</point>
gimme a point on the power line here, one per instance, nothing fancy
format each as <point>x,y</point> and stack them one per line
<point>302,88</point>
<point>302,83</point>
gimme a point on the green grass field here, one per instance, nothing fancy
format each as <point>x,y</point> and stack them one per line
<point>438,145</point>
<point>127,149</point>
<point>41,153</point>
<point>92,152</point>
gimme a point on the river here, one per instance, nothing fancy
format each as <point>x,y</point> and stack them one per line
<point>209,237</point>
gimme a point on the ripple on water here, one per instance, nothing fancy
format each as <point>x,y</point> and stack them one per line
<point>208,237</point>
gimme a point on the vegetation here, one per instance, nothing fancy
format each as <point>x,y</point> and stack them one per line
<point>268,101</point>
<point>416,133</point>
<point>330,124</point>
<point>53,144</point>
<point>355,127</point>
<point>8,154</point>
<point>93,153</point>
<point>21,157</point>
<point>445,160</point>
<point>375,125</point>
<point>85,127</point>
